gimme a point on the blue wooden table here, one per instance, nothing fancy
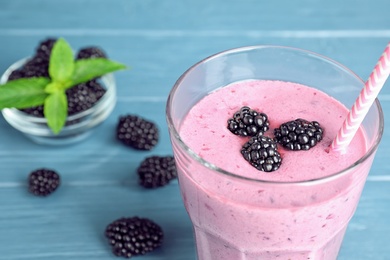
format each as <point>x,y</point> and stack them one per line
<point>159,40</point>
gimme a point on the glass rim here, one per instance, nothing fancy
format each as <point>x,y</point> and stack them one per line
<point>175,133</point>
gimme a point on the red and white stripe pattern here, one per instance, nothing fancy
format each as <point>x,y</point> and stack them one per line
<point>363,103</point>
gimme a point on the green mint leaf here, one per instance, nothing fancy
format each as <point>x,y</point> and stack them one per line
<point>61,65</point>
<point>56,110</point>
<point>23,93</point>
<point>87,69</point>
<point>53,87</point>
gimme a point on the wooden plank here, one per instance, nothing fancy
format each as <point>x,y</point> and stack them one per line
<point>70,224</point>
<point>194,15</point>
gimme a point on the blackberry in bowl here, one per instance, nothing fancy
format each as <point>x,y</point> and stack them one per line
<point>56,97</point>
<point>86,110</point>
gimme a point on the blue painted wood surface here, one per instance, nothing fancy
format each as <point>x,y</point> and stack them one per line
<point>160,40</point>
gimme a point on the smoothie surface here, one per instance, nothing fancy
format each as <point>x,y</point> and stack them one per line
<point>205,131</point>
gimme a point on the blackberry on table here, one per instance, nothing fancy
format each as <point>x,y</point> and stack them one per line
<point>43,182</point>
<point>298,134</point>
<point>262,153</point>
<point>134,236</point>
<point>156,171</point>
<point>90,52</point>
<point>137,132</point>
<point>248,122</point>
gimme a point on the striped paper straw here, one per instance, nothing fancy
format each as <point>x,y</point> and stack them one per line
<point>363,103</point>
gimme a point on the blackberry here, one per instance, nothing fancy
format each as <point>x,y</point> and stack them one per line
<point>16,74</point>
<point>44,48</point>
<point>134,236</point>
<point>36,67</point>
<point>262,153</point>
<point>137,132</point>
<point>83,96</point>
<point>248,122</point>
<point>43,182</point>
<point>298,134</point>
<point>90,52</point>
<point>34,111</point>
<point>156,171</point>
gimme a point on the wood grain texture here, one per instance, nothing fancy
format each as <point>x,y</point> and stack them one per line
<point>159,40</point>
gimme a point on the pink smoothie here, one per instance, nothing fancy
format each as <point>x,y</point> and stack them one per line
<point>272,218</point>
<point>282,102</point>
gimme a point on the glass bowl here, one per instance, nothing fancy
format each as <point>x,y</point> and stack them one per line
<point>77,127</point>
